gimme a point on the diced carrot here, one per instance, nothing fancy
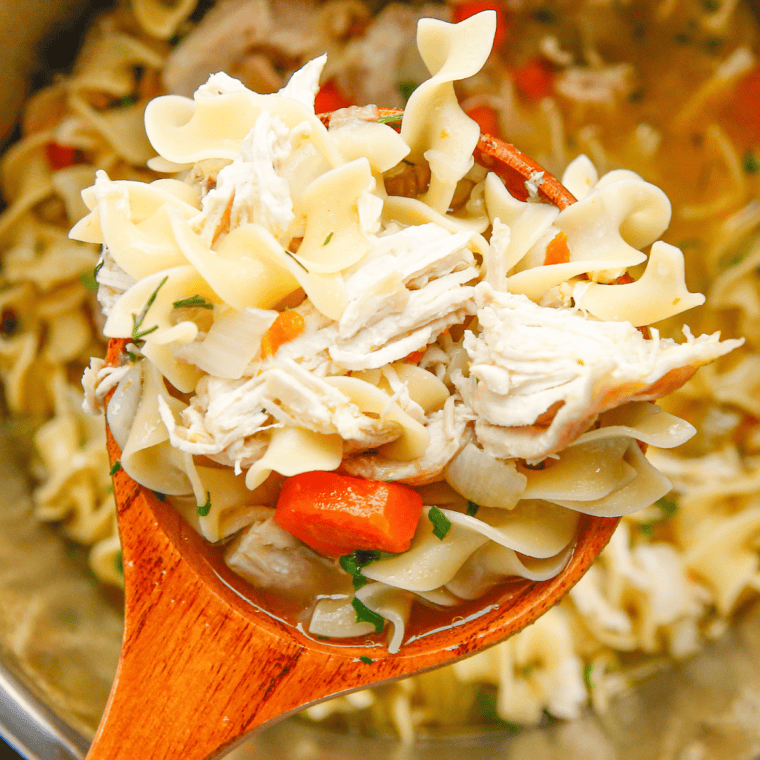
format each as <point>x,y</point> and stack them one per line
<point>624,279</point>
<point>288,325</point>
<point>330,98</point>
<point>61,156</point>
<point>337,514</point>
<point>535,80</point>
<point>486,118</point>
<point>745,103</point>
<point>468,8</point>
<point>416,356</point>
<point>557,252</point>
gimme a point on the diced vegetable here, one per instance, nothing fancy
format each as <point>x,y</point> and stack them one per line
<point>535,80</point>
<point>336,514</point>
<point>557,252</point>
<point>330,98</point>
<point>486,118</point>
<point>745,104</point>
<point>287,326</point>
<point>468,8</point>
<point>61,156</point>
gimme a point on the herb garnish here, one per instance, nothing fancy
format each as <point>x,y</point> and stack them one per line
<point>116,467</point>
<point>204,509</point>
<point>88,280</point>
<point>751,163</point>
<point>365,615</point>
<point>292,256</point>
<point>354,562</point>
<point>441,523</point>
<point>366,660</point>
<point>392,119</point>
<point>328,238</point>
<point>118,562</point>
<point>406,89</point>
<point>472,508</point>
<point>487,702</point>
<point>160,496</point>
<point>587,670</point>
<point>668,508</point>
<point>137,321</point>
<point>126,101</point>
<point>711,6</point>
<point>193,302</point>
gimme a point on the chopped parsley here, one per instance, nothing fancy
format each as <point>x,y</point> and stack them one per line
<point>668,508</point>
<point>392,119</point>
<point>711,6</point>
<point>636,96</point>
<point>486,700</point>
<point>160,496</point>
<point>365,615</point>
<point>118,561</point>
<point>441,523</point>
<point>290,253</point>
<point>587,671</point>
<point>406,89</point>
<point>198,302</point>
<point>366,660</point>
<point>328,238</point>
<point>751,163</point>
<point>204,509</point>
<point>545,15</point>
<point>472,508</point>
<point>116,467</point>
<point>137,321</point>
<point>354,562</point>
<point>88,280</point>
<point>126,101</point>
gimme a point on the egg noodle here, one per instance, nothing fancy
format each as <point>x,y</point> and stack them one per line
<point>396,275</point>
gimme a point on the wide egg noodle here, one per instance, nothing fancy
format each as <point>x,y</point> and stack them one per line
<point>659,293</point>
<point>336,618</point>
<point>645,489</point>
<point>333,239</point>
<point>160,19</point>
<point>393,604</point>
<point>434,125</point>
<point>527,221</point>
<point>429,562</point>
<point>148,457</point>
<point>414,438</point>
<point>494,563</point>
<point>294,450</point>
<point>423,387</point>
<point>379,144</point>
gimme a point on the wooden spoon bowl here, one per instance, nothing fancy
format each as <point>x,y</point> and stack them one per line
<point>204,662</point>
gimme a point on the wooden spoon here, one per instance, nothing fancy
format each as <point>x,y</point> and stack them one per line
<point>203,663</point>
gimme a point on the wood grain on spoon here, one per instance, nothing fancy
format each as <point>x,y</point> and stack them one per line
<point>203,663</point>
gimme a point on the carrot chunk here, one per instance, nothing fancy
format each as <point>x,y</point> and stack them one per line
<point>535,81</point>
<point>61,156</point>
<point>486,118</point>
<point>330,98</point>
<point>468,8</point>
<point>557,251</point>
<point>287,326</point>
<point>745,103</point>
<point>337,514</point>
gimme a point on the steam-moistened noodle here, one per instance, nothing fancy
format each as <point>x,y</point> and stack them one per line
<point>367,303</point>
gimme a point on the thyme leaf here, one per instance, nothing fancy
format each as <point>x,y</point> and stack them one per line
<point>137,321</point>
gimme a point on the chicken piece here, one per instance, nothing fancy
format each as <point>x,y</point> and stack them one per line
<point>539,376</point>
<point>449,430</point>
<point>272,559</point>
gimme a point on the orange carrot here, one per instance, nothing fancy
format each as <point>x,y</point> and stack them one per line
<point>330,98</point>
<point>287,326</point>
<point>486,118</point>
<point>535,81</point>
<point>745,103</point>
<point>557,251</point>
<point>468,8</point>
<point>337,514</point>
<point>61,156</point>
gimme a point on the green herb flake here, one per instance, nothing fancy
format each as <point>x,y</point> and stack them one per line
<point>545,15</point>
<point>667,506</point>
<point>392,119</point>
<point>487,700</point>
<point>328,238</point>
<point>160,496</point>
<point>365,615</point>
<point>126,101</point>
<point>133,357</point>
<point>197,302</point>
<point>88,280</point>
<point>349,564</point>
<point>472,508</point>
<point>137,321</point>
<point>635,96</point>
<point>292,256</point>
<point>204,509</point>
<point>711,6</point>
<point>116,467</point>
<point>407,88</point>
<point>366,660</point>
<point>441,523</point>
<point>751,163</point>
<point>119,562</point>
<point>588,669</point>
